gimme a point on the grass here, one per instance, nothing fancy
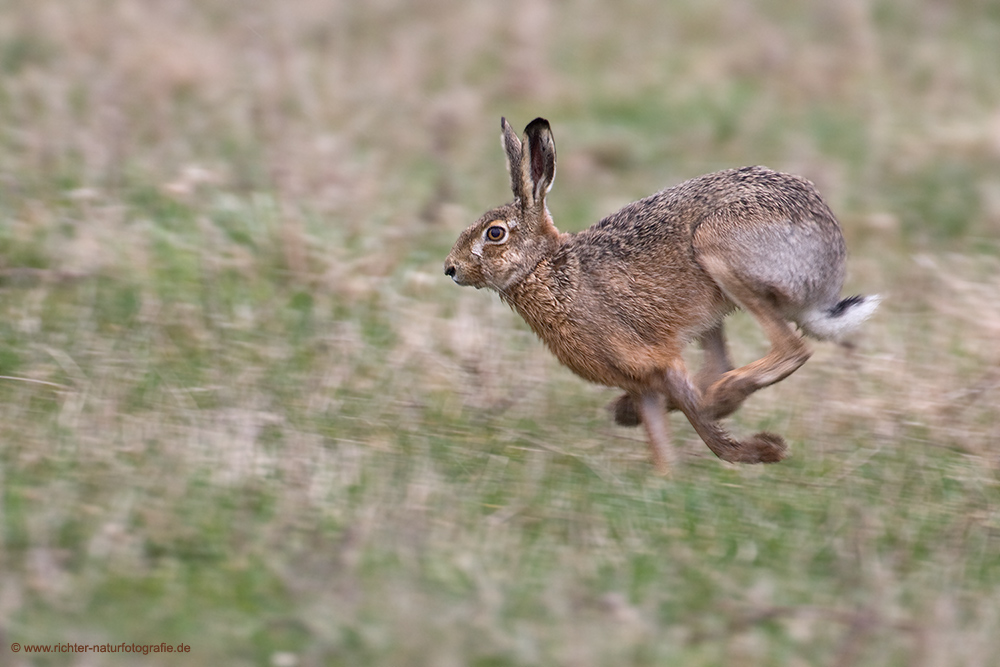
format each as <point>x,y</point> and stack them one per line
<point>241,408</point>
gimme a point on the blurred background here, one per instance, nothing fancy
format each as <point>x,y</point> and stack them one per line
<point>241,407</point>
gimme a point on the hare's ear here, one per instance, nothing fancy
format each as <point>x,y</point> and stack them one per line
<point>512,151</point>
<point>538,162</point>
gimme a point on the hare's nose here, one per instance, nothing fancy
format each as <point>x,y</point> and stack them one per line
<point>449,271</point>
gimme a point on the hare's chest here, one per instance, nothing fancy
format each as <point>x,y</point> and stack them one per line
<point>589,341</point>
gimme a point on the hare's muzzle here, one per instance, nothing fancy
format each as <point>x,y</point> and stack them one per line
<point>451,271</point>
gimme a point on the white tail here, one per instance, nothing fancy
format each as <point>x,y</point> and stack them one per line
<point>843,318</point>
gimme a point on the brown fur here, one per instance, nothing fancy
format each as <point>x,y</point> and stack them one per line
<point>618,302</point>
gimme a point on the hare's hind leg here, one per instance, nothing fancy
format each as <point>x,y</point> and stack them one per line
<point>788,351</point>
<point>760,448</point>
<point>716,363</point>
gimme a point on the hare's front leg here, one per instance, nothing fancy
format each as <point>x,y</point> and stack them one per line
<point>652,411</point>
<point>716,363</point>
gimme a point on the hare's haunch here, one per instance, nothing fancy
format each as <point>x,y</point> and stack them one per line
<point>618,302</point>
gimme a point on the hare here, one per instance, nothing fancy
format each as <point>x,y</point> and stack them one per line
<point>618,302</point>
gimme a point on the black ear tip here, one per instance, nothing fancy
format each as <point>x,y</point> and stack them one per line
<point>537,124</point>
<point>503,123</point>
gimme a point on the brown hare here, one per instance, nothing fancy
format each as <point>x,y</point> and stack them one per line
<point>618,302</point>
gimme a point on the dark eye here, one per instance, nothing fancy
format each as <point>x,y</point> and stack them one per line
<point>496,233</point>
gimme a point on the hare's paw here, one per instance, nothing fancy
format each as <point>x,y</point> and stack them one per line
<point>625,412</point>
<point>760,448</point>
<point>765,447</point>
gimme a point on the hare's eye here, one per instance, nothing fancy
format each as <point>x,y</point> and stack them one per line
<point>496,233</point>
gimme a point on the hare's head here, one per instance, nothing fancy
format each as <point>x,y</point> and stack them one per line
<point>509,241</point>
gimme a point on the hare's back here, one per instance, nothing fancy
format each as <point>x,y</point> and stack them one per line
<point>746,198</point>
<point>772,228</point>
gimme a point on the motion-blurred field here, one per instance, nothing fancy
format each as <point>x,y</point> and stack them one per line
<point>241,407</point>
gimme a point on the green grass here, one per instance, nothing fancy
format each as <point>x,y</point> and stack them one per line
<point>242,409</point>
